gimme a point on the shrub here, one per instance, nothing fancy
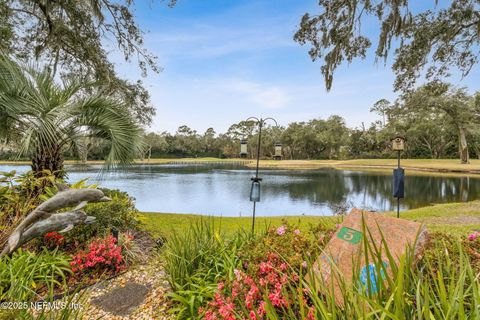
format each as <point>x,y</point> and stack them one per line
<point>287,242</point>
<point>131,251</point>
<point>269,264</point>
<point>471,243</point>
<point>442,247</point>
<point>243,296</point>
<point>119,214</point>
<point>102,255</point>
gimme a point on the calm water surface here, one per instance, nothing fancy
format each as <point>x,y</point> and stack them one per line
<point>224,190</point>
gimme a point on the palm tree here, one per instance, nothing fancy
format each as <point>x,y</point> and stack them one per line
<point>52,117</point>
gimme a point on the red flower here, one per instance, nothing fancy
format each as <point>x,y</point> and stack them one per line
<point>101,254</point>
<point>53,238</point>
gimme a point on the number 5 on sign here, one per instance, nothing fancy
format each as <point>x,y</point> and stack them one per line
<point>350,235</point>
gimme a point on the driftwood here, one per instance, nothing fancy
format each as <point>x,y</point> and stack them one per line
<point>45,217</point>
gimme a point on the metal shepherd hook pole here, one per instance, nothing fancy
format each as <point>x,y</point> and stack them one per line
<point>398,144</point>
<point>255,190</point>
<point>260,125</point>
<point>398,198</point>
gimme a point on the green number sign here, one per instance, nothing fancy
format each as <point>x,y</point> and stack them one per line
<point>350,235</point>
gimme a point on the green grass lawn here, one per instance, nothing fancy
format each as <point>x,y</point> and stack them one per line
<point>454,218</point>
<point>166,223</point>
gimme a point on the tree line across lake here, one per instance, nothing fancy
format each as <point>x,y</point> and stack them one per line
<point>438,121</point>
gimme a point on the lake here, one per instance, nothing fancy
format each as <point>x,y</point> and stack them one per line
<point>224,189</point>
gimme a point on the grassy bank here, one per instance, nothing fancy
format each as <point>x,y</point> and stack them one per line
<point>166,223</point>
<point>437,165</point>
<point>455,218</point>
<point>427,165</point>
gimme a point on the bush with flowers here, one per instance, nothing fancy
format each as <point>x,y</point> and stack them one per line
<point>443,246</point>
<point>270,266</point>
<point>245,297</point>
<point>472,247</point>
<point>102,255</point>
<point>288,242</point>
<point>266,284</point>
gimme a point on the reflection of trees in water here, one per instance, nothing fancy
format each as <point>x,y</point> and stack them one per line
<point>319,187</point>
<point>333,187</point>
<point>421,190</point>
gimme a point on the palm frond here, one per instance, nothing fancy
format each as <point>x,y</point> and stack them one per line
<point>55,115</point>
<point>106,118</point>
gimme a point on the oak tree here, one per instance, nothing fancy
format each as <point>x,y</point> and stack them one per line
<point>74,37</point>
<point>428,42</point>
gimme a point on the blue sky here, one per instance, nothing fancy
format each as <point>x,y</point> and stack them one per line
<point>225,61</point>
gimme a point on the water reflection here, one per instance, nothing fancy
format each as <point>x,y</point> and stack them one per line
<point>224,190</point>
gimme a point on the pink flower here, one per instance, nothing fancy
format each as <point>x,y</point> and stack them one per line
<point>220,286</point>
<point>473,236</point>
<point>304,264</point>
<point>281,230</point>
<point>263,282</point>
<point>337,226</point>
<point>310,315</point>
<point>296,231</point>
<point>261,309</point>
<point>265,267</point>
<point>238,274</point>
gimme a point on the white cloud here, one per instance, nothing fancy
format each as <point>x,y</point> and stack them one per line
<point>271,98</point>
<point>263,95</point>
<point>220,36</point>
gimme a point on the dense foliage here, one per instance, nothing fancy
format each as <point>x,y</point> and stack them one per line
<point>438,116</point>
<point>268,264</point>
<point>25,272</point>
<point>20,194</point>
<point>265,278</point>
<point>119,215</point>
<point>431,39</point>
<point>74,38</point>
<point>26,277</point>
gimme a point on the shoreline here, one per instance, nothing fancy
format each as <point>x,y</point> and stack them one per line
<point>419,165</point>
